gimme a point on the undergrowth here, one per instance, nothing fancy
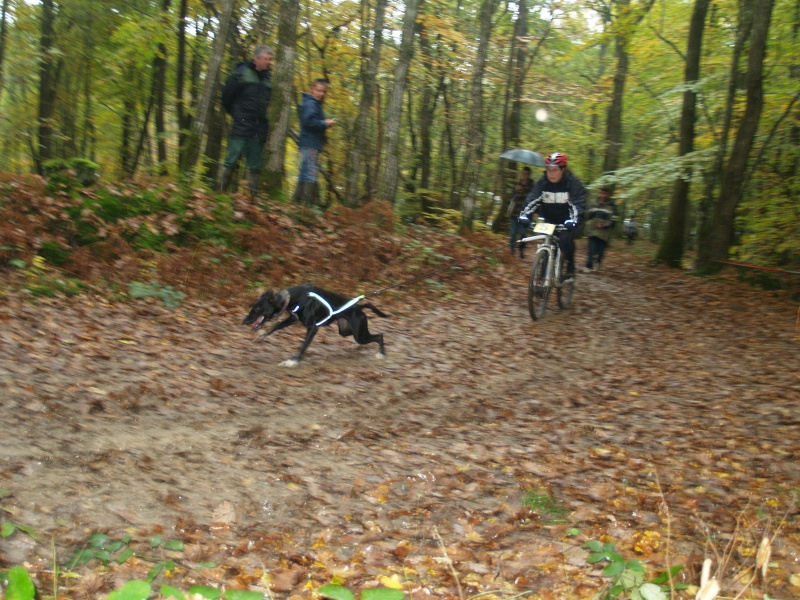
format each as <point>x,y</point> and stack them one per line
<point>162,241</point>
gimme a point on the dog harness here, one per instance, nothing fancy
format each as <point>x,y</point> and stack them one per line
<point>331,312</point>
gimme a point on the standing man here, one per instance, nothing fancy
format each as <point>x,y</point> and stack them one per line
<point>313,126</point>
<point>245,97</point>
<point>600,219</point>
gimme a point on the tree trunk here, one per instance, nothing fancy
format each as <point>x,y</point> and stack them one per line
<point>387,185</point>
<point>181,113</point>
<point>159,92</point>
<point>671,250</point>
<point>427,109</point>
<point>472,163</point>
<point>3,30</point>
<point>357,150</point>
<point>713,177</point>
<point>89,138</point>
<point>449,119</point>
<point>512,122</point>
<point>627,20</point>
<point>47,87</point>
<point>211,89</point>
<point>716,246</point>
<point>282,101</point>
<point>128,128</point>
<point>614,116</point>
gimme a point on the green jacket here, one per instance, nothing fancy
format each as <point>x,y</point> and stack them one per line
<point>600,220</point>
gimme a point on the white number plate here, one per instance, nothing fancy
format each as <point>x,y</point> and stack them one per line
<point>546,228</point>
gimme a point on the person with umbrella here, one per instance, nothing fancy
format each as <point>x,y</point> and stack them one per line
<point>521,190</point>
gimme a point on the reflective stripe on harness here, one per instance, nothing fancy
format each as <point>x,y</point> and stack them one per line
<point>332,312</point>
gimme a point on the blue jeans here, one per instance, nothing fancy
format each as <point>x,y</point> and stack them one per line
<point>309,165</point>
<point>597,248</point>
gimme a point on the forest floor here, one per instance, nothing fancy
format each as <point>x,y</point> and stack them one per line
<point>659,413</point>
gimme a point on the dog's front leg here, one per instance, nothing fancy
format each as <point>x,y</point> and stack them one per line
<point>312,331</point>
<point>290,320</point>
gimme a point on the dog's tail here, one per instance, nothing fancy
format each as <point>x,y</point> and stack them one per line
<point>371,306</point>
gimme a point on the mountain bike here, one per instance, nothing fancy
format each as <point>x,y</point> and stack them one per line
<point>549,271</point>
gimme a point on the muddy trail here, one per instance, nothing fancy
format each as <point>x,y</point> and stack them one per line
<point>653,413</point>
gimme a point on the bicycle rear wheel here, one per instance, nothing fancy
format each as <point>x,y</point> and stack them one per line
<point>537,290</point>
<point>564,294</point>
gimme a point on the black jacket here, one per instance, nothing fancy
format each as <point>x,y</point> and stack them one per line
<point>558,202</point>
<point>245,96</point>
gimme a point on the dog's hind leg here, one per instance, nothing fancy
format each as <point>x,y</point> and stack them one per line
<point>358,323</point>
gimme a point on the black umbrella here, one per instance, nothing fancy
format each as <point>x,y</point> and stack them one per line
<point>529,157</point>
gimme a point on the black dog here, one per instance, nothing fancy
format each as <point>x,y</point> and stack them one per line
<point>314,308</point>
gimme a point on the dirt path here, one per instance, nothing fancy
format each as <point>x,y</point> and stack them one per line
<point>118,416</point>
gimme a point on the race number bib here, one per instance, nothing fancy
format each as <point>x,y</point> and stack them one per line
<point>546,228</point>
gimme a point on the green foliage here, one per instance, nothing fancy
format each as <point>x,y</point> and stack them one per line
<point>167,591</point>
<point>133,590</point>
<point>67,175</point>
<point>169,296</point>
<point>339,592</point>
<point>547,507</point>
<point>54,252</point>
<point>628,576</point>
<point>20,585</point>
<point>41,282</point>
<point>205,591</point>
<point>103,549</point>
<point>9,528</point>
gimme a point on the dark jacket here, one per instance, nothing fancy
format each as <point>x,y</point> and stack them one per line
<point>245,96</point>
<point>312,123</point>
<point>600,219</point>
<point>558,202</point>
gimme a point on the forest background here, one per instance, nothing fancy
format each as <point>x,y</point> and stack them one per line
<point>688,108</point>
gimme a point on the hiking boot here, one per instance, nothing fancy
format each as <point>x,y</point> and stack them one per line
<point>586,270</point>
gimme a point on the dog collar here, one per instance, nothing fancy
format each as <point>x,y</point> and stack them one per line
<point>327,305</point>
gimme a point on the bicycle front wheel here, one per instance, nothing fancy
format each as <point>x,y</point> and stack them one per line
<point>565,289</point>
<point>537,290</point>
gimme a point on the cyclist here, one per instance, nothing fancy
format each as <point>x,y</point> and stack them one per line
<point>559,198</point>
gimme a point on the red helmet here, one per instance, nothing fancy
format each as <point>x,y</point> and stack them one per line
<point>556,159</point>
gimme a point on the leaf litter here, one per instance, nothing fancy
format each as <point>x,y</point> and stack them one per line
<point>659,412</point>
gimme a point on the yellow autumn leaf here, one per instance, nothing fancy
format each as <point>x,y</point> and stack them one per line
<point>392,582</point>
<point>130,342</point>
<point>474,536</point>
<point>795,579</point>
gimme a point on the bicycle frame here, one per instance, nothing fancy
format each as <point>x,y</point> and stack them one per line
<point>546,271</point>
<point>553,250</point>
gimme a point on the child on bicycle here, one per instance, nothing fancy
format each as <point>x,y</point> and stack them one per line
<point>559,198</point>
